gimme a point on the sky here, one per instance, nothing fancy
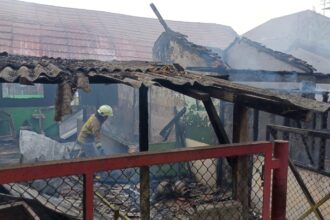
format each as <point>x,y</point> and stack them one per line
<point>241,15</point>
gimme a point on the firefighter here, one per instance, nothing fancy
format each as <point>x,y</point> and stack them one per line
<point>90,132</point>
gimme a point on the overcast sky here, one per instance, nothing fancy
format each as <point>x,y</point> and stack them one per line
<point>241,15</point>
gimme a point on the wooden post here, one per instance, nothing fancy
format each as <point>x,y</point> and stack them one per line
<point>216,122</point>
<point>222,108</point>
<point>219,131</point>
<point>255,124</point>
<point>240,165</point>
<point>144,146</point>
<point>324,120</point>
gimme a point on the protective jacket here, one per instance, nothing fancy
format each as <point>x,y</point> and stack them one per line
<point>91,131</point>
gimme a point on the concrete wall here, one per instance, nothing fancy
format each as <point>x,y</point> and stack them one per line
<point>243,56</point>
<point>161,110</point>
<point>184,57</point>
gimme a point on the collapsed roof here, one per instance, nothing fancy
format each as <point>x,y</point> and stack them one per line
<point>71,75</point>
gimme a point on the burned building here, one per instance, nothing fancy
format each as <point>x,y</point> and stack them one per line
<point>146,90</point>
<point>81,34</point>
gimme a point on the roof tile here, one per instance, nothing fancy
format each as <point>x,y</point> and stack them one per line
<point>96,33</point>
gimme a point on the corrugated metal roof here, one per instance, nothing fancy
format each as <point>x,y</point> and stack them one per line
<point>40,30</point>
<point>73,74</point>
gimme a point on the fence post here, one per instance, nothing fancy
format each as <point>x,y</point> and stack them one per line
<point>280,180</point>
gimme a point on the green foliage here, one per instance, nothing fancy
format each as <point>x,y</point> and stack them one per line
<point>197,125</point>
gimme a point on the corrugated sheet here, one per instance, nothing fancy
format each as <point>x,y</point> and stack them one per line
<point>71,73</point>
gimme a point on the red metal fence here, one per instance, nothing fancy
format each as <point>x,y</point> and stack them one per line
<point>274,157</point>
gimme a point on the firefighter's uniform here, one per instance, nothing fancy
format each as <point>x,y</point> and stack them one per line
<point>90,132</point>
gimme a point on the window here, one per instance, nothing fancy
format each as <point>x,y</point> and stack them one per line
<point>18,91</point>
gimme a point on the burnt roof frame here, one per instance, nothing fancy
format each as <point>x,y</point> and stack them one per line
<point>29,70</point>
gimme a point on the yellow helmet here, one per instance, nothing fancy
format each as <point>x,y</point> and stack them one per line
<point>105,110</point>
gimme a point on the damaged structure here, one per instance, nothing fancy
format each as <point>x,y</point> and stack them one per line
<point>251,63</point>
<point>147,98</point>
<point>142,75</point>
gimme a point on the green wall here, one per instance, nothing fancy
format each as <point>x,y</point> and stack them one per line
<point>19,115</point>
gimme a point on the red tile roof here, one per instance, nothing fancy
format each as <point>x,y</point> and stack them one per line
<point>41,30</point>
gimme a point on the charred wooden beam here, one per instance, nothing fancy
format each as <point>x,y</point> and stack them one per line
<point>187,90</point>
<point>255,124</point>
<point>240,89</point>
<point>322,78</point>
<point>258,75</point>
<point>133,73</point>
<point>301,131</point>
<point>271,106</point>
<point>217,125</point>
<point>160,18</point>
<point>303,139</point>
<point>284,105</point>
<point>240,165</point>
<point>165,132</point>
<point>144,146</point>
<point>324,124</point>
<point>220,132</point>
<point>143,119</point>
<point>179,136</point>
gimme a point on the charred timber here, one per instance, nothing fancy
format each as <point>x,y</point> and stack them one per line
<point>165,132</point>
<point>260,75</point>
<point>79,73</point>
<point>217,125</point>
<point>305,132</point>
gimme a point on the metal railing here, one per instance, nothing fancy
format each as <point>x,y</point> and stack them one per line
<point>308,194</point>
<point>181,184</point>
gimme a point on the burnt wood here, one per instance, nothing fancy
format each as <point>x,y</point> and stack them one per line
<point>160,18</point>
<point>255,124</point>
<point>29,70</point>
<point>301,131</point>
<point>217,125</point>
<point>144,146</point>
<point>324,120</point>
<point>240,164</point>
<point>165,132</point>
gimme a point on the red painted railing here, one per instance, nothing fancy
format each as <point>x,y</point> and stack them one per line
<point>88,167</point>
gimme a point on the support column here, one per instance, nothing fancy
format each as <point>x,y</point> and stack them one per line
<point>144,146</point>
<point>324,122</point>
<point>255,124</point>
<point>240,164</point>
<point>220,132</point>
